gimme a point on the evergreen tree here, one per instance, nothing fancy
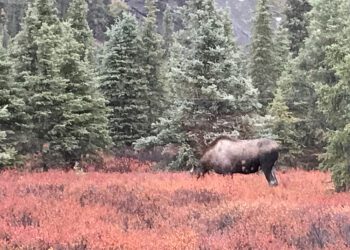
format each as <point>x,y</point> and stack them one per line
<point>211,96</point>
<point>84,128</point>
<point>7,154</point>
<point>3,27</point>
<point>47,95</point>
<point>151,62</point>
<point>302,75</point>
<point>47,11</point>
<point>239,56</point>
<point>123,82</point>
<point>283,123</point>
<point>8,122</point>
<point>262,67</point>
<point>77,14</point>
<point>68,115</point>
<point>281,50</point>
<point>23,50</point>
<point>296,23</point>
<point>168,30</point>
<point>32,53</point>
<point>311,68</point>
<point>334,100</point>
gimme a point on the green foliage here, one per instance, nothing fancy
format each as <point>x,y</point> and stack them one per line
<point>210,94</point>
<point>283,122</point>
<point>334,102</point>
<point>185,159</point>
<point>262,66</point>
<point>168,30</point>
<point>297,23</point>
<point>7,155</point>
<point>309,69</point>
<point>67,113</point>
<point>284,127</point>
<point>47,11</point>
<point>151,56</point>
<point>123,82</point>
<point>77,16</point>
<point>281,50</point>
<point>7,151</point>
<point>84,128</point>
<point>13,123</point>
<point>336,159</point>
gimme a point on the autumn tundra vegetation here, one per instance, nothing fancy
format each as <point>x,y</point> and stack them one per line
<point>143,209</point>
<point>104,112</point>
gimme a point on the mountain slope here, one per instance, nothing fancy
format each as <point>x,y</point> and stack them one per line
<point>242,12</point>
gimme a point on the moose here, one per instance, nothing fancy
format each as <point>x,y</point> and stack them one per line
<point>228,156</point>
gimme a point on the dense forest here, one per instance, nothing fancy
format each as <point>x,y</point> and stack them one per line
<point>69,92</point>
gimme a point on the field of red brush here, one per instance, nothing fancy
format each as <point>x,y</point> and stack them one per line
<point>150,210</point>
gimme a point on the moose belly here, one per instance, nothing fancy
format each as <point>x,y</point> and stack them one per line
<point>242,167</point>
<point>247,166</point>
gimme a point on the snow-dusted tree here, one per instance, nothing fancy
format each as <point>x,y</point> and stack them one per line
<point>296,23</point>
<point>334,98</point>
<point>211,96</point>
<point>151,63</point>
<point>7,155</point>
<point>262,66</point>
<point>76,16</point>
<point>123,82</point>
<point>8,121</point>
<point>67,113</point>
<point>168,30</point>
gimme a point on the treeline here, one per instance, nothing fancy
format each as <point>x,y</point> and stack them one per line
<point>65,98</point>
<point>99,16</point>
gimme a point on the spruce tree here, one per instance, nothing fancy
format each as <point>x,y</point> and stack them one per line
<point>310,69</point>
<point>151,63</point>
<point>84,128</point>
<point>211,96</point>
<point>262,67</point>
<point>77,16</point>
<point>7,155</point>
<point>296,23</point>
<point>47,95</point>
<point>123,82</point>
<point>3,28</point>
<point>23,50</point>
<point>8,122</point>
<point>281,50</point>
<point>283,123</point>
<point>68,115</point>
<point>334,100</point>
<point>168,30</point>
<point>47,11</point>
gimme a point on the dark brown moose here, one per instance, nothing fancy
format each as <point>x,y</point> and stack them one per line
<point>228,156</point>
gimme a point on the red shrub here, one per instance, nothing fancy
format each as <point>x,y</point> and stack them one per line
<point>147,210</point>
<point>110,164</point>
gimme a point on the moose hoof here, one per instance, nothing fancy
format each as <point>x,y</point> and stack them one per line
<point>273,183</point>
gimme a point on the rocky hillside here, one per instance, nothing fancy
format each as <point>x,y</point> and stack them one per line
<point>242,12</point>
<point>100,15</point>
